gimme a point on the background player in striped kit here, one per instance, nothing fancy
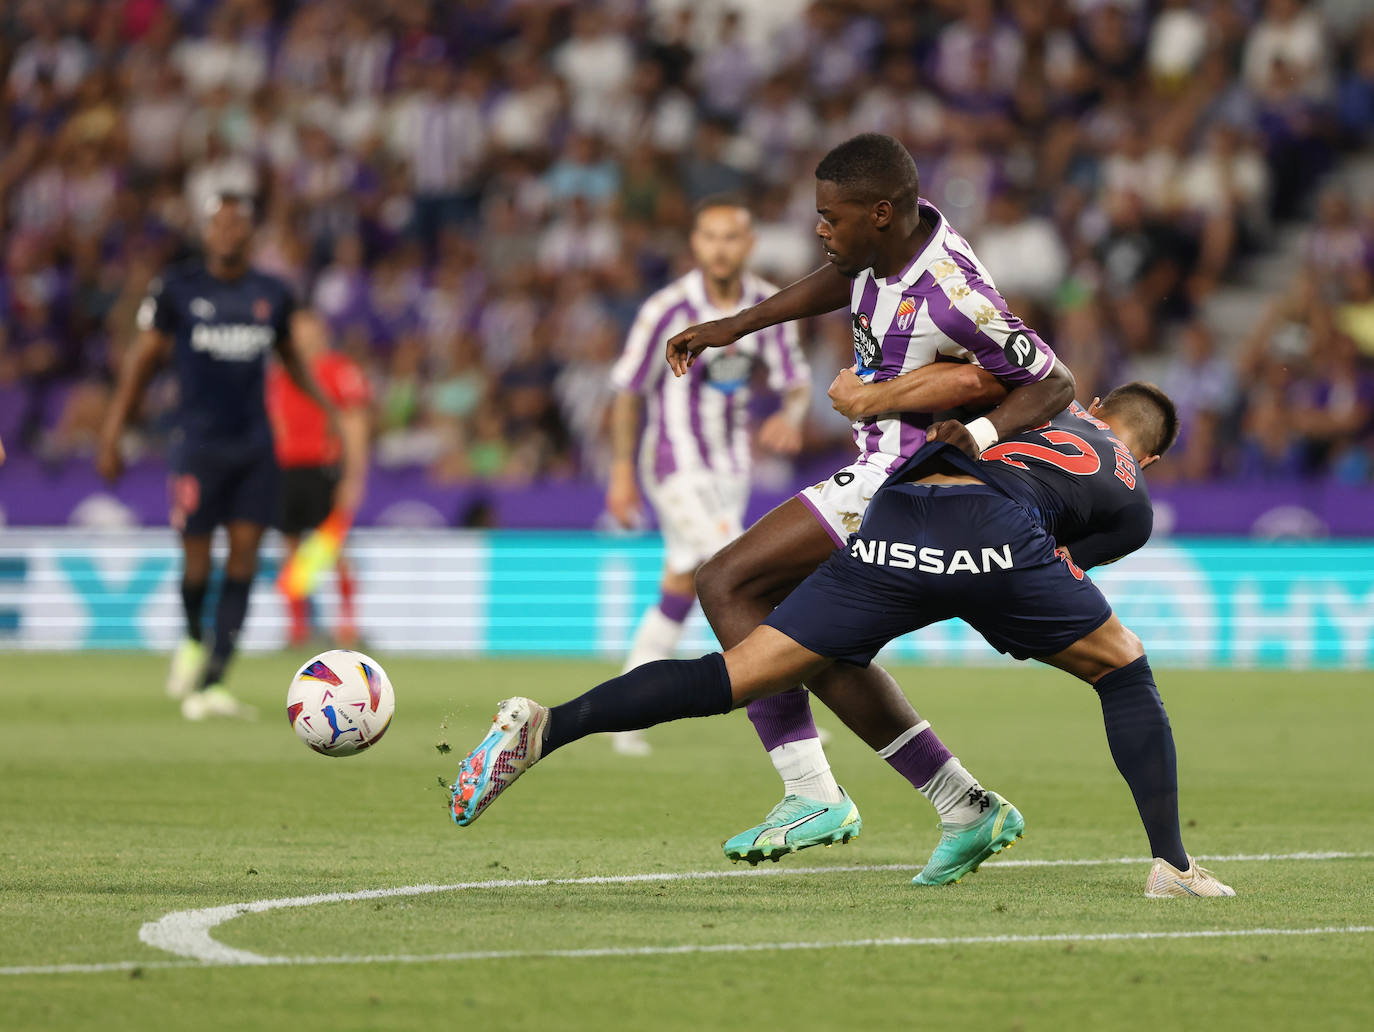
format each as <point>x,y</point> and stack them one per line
<point>916,293</point>
<point>694,452</point>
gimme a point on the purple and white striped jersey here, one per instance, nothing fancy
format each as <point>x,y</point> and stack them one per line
<point>700,421</point>
<point>942,303</point>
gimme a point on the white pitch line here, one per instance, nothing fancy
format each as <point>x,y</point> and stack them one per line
<point>722,947</point>
<point>186,933</point>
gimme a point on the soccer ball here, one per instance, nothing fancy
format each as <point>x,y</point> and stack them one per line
<point>340,702</point>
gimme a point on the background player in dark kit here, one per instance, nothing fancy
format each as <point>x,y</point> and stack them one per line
<point>215,319</point>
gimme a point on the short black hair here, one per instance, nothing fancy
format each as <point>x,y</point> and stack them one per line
<point>1151,410</point>
<point>876,166</point>
<point>718,200</point>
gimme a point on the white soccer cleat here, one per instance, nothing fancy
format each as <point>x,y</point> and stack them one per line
<point>188,664</point>
<point>512,746</point>
<point>630,743</point>
<point>1167,882</point>
<point>215,702</point>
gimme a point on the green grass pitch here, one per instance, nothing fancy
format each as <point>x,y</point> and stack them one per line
<point>113,813</point>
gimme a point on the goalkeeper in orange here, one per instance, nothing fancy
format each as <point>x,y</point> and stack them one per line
<point>323,476</point>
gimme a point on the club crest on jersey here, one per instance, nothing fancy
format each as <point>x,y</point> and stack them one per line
<point>906,313</point>
<point>262,309</point>
<point>866,347</point>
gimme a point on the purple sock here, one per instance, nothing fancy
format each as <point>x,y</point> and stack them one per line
<point>783,718</point>
<point>674,606</point>
<point>918,758</point>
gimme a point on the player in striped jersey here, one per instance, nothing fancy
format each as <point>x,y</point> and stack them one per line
<point>694,453</point>
<point>916,293</point>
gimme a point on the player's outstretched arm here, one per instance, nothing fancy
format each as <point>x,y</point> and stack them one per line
<point>148,351</point>
<point>822,291</point>
<point>354,431</point>
<point>622,493</point>
<point>931,388</point>
<point>1027,405</point>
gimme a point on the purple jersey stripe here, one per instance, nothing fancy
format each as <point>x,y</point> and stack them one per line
<point>872,436</point>
<point>1014,324</point>
<point>789,368</point>
<point>912,437</point>
<point>694,413</point>
<point>665,462</point>
<point>654,351</point>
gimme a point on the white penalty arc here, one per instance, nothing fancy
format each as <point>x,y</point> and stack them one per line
<point>186,933</point>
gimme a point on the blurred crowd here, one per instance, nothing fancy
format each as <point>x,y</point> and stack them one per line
<point>477,194</point>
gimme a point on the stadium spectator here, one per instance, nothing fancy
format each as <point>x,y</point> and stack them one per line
<point>1122,160</point>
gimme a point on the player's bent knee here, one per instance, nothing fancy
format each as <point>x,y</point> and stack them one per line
<point>1121,648</point>
<point>716,580</point>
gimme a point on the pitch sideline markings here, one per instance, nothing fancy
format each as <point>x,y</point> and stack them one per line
<point>724,947</point>
<point>186,933</point>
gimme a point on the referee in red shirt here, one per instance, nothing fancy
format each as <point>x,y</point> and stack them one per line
<point>320,473</point>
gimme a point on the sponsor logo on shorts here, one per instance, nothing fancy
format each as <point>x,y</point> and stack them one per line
<point>901,555</point>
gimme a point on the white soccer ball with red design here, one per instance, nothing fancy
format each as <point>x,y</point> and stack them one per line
<point>340,703</point>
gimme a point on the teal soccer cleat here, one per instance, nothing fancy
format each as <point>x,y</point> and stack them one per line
<point>963,848</point>
<point>796,823</point>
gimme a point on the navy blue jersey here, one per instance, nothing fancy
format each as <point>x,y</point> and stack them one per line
<point>222,332</point>
<point>1074,474</point>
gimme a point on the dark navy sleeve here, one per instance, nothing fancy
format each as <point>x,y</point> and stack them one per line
<point>158,309</point>
<point>286,307</point>
<point>1126,533</point>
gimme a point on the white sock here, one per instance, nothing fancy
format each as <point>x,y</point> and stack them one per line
<point>656,638</point>
<point>956,794</point>
<point>804,770</point>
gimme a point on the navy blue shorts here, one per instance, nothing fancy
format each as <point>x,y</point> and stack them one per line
<point>217,485</point>
<point>925,554</point>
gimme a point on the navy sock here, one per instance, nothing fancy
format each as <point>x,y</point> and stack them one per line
<point>193,603</point>
<point>1142,745</point>
<point>647,695</point>
<point>229,616</point>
